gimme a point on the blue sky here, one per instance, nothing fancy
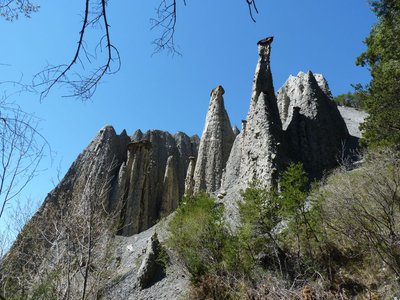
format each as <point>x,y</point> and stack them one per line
<point>217,40</point>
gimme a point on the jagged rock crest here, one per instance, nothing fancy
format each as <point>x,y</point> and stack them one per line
<point>315,132</point>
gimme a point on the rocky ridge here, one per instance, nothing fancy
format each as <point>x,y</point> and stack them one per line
<point>314,129</point>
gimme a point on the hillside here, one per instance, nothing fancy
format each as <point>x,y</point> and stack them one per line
<point>102,232</point>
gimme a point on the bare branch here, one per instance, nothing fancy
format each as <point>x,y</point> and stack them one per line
<point>11,9</point>
<point>81,83</point>
<point>22,149</point>
<point>252,6</point>
<point>84,72</point>
<point>166,20</point>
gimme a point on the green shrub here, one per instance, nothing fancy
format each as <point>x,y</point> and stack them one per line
<point>334,236</point>
<point>361,209</point>
<point>350,99</point>
<point>301,213</point>
<point>256,239</point>
<point>198,234</point>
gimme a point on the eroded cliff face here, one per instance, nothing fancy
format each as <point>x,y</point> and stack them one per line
<point>152,180</point>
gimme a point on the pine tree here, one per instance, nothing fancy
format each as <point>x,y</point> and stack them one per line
<point>382,96</point>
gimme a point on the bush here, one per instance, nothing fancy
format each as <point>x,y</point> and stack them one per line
<point>329,241</point>
<point>302,233</point>
<point>350,99</point>
<point>362,209</point>
<point>257,241</point>
<point>198,234</point>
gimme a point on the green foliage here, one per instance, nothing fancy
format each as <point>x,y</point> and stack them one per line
<point>293,194</point>
<point>302,235</point>
<point>362,210</point>
<point>259,208</point>
<point>382,101</point>
<point>198,234</point>
<point>350,99</point>
<point>258,216</point>
<point>339,233</point>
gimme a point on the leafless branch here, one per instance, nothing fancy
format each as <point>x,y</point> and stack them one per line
<point>166,21</point>
<point>11,9</point>
<point>252,7</point>
<point>22,149</point>
<point>166,14</point>
<point>84,72</point>
<point>81,83</point>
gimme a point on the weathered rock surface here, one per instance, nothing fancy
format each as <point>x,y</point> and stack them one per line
<point>189,180</point>
<point>133,189</point>
<point>152,180</point>
<point>314,129</point>
<point>171,195</point>
<point>153,264</point>
<point>137,259</point>
<point>215,145</point>
<point>353,118</point>
<point>256,151</point>
<point>235,130</point>
<point>116,182</point>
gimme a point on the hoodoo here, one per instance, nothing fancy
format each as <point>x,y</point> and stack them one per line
<point>128,183</point>
<point>256,152</point>
<point>215,145</point>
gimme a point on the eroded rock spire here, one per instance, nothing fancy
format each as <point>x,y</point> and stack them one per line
<point>189,181</point>
<point>262,81</point>
<point>215,145</point>
<point>255,153</point>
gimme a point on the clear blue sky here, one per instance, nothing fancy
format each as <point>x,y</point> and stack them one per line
<point>218,43</point>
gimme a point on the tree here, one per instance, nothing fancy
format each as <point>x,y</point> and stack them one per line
<point>82,74</point>
<point>350,99</point>
<point>382,100</point>
<point>22,149</point>
<point>64,251</point>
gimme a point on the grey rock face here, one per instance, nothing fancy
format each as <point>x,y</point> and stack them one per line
<point>235,130</point>
<point>145,269</point>
<point>255,153</point>
<point>117,182</point>
<point>137,135</point>
<point>152,268</point>
<point>189,181</point>
<point>323,84</point>
<point>141,180</point>
<point>94,171</point>
<point>215,145</point>
<point>152,180</point>
<point>171,188</point>
<point>353,118</point>
<point>314,129</point>
<point>134,189</point>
